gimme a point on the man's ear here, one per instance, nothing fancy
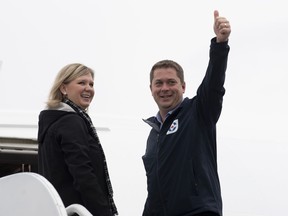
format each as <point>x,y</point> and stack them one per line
<point>150,86</point>
<point>184,87</point>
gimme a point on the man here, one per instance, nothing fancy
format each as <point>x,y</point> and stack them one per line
<point>180,158</point>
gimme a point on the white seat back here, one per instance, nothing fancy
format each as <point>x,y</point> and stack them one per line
<point>31,194</point>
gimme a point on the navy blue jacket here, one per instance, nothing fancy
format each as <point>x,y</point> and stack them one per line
<point>181,157</point>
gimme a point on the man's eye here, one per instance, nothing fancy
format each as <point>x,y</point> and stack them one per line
<point>171,82</point>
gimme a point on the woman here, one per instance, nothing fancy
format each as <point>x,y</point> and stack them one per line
<point>70,153</point>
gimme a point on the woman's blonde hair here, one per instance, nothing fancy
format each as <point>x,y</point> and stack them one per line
<point>65,76</point>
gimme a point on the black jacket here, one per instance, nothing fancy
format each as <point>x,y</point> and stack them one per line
<point>180,158</point>
<point>70,159</point>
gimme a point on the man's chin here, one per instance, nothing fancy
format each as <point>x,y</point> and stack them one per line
<point>165,106</point>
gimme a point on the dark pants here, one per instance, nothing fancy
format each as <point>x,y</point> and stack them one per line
<point>207,214</point>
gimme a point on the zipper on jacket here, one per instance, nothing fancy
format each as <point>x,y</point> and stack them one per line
<point>157,176</point>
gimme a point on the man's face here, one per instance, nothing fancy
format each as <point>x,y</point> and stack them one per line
<point>167,89</point>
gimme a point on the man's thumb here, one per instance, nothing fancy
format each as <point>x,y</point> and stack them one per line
<point>216,14</point>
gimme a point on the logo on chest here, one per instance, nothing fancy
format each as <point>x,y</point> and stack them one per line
<point>174,127</point>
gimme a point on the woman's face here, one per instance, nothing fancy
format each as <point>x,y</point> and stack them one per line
<point>80,91</point>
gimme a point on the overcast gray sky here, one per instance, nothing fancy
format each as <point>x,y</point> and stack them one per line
<point>121,40</point>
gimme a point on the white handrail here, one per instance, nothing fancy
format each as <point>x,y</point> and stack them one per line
<point>79,209</point>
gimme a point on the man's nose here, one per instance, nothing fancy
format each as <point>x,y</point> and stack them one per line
<point>164,87</point>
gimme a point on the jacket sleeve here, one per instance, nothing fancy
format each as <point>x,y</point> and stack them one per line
<point>77,153</point>
<point>211,91</point>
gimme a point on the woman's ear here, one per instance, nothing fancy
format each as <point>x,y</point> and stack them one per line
<point>63,89</point>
